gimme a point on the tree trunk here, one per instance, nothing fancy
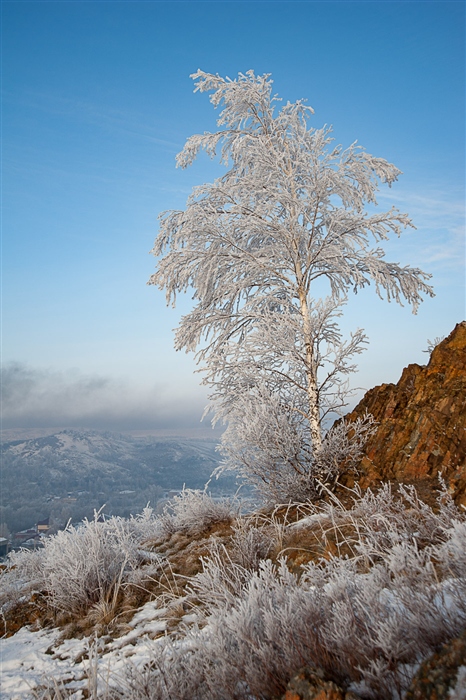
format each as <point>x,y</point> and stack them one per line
<point>311,373</point>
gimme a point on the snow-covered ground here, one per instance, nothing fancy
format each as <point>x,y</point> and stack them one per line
<point>31,658</point>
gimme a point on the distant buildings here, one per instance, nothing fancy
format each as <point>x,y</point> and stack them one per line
<point>43,526</point>
<point>30,538</point>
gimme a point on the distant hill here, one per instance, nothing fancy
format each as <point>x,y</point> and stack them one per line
<point>68,474</point>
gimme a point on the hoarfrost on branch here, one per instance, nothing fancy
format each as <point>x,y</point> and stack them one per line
<point>290,213</point>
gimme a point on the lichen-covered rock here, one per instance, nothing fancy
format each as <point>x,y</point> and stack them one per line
<point>422,424</point>
<point>443,675</point>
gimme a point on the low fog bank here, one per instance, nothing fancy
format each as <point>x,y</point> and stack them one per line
<point>43,401</point>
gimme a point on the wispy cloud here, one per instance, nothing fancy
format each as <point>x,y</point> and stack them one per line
<point>127,122</point>
<point>38,398</point>
<point>440,216</point>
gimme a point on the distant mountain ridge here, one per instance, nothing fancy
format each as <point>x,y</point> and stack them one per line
<point>86,450</point>
<point>94,468</point>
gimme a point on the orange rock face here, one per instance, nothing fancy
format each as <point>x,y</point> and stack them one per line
<point>309,684</point>
<point>422,424</point>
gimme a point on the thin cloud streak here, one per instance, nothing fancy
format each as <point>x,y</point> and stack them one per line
<point>440,217</point>
<point>118,120</point>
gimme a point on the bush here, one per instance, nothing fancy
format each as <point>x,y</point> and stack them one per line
<point>81,566</point>
<point>367,621</point>
<point>193,511</point>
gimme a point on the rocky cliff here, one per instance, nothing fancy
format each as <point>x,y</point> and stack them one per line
<point>421,424</point>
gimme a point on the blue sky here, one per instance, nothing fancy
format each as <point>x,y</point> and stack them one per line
<point>97,101</point>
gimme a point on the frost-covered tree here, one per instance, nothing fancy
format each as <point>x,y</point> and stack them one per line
<point>289,219</point>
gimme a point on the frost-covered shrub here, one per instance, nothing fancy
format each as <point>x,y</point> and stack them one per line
<point>432,344</point>
<point>80,566</point>
<point>193,511</point>
<point>377,521</point>
<point>367,621</point>
<point>251,542</point>
<point>145,526</point>
<point>342,448</point>
<point>22,576</point>
<point>219,583</point>
<point>84,565</point>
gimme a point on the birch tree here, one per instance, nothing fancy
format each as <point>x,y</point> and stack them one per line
<point>270,251</point>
